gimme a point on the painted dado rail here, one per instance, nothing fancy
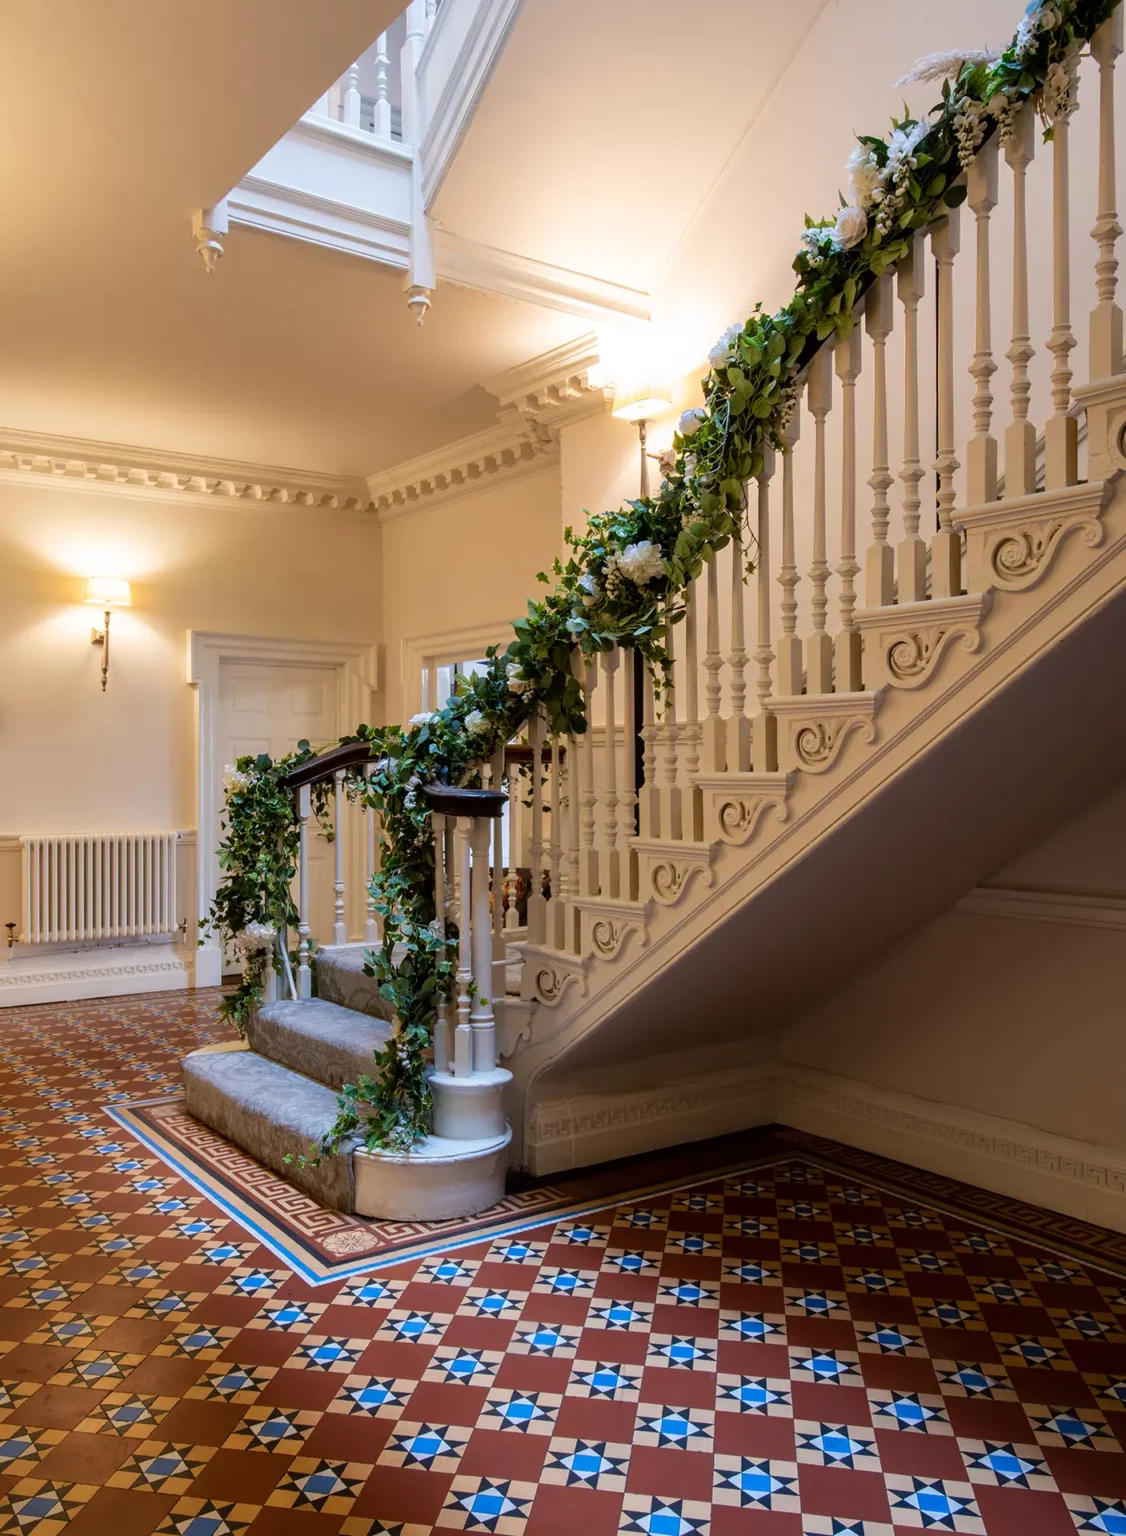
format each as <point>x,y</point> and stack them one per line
<point>729,786</point>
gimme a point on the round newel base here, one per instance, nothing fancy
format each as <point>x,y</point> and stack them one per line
<point>437,1180</point>
<point>469,1108</point>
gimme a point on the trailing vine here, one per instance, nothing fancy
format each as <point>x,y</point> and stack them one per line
<point>624,579</point>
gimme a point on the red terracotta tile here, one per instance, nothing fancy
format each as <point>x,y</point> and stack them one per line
<point>566,1511</point>
<point>975,1418</point>
<point>680,1389</point>
<point>300,1389</point>
<point>437,1402</point>
<point>349,1437</point>
<point>84,1458</point>
<point>59,1407</point>
<point>919,1455</point>
<point>836,1491</point>
<point>201,1423</point>
<point>1007,1511</point>
<point>294,1522</point>
<point>121,1512</point>
<point>588,1418</point>
<point>408,1494</point>
<point>502,1453</point>
<point>676,1474</point>
<point>754,1434</point>
<point>830,1405</point>
<point>247,1477</point>
<point>1079,1471</point>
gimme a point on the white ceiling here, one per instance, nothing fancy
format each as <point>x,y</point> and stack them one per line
<point>119,119</point>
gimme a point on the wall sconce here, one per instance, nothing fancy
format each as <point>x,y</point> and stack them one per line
<point>106,593</point>
<point>641,405</point>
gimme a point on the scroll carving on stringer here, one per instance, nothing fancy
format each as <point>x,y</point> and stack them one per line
<point>818,743</point>
<point>738,817</point>
<point>1021,556</point>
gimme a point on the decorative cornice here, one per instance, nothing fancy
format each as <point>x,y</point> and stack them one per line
<point>278,209</point>
<point>536,399</point>
<point>1045,906</point>
<point>85,464</point>
<point>501,452</point>
<point>489,269</point>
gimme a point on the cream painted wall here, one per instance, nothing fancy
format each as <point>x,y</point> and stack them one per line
<point>75,760</point>
<point>470,560</point>
<point>998,1015</point>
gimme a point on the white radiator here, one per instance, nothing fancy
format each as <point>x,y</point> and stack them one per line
<point>105,886</point>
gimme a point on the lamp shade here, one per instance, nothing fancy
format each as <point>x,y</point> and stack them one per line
<point>642,403</point>
<point>108,592</point>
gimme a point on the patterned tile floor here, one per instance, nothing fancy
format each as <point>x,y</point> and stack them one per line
<point>783,1351</point>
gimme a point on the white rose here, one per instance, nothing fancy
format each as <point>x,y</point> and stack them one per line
<point>475,722</point>
<point>722,352</point>
<point>590,589</point>
<point>517,682</point>
<point>691,422</point>
<point>257,936</point>
<point>234,780</point>
<point>865,177</point>
<point>423,719</point>
<point>850,228</point>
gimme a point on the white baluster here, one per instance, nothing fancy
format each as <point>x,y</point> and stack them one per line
<point>442,1023</point>
<point>352,96</point>
<point>981,454</point>
<point>738,742</point>
<point>339,926</point>
<point>627,794</point>
<point>715,728</point>
<point>690,731</point>
<point>650,798</point>
<point>381,123</point>
<point>912,549</point>
<point>1106,317</point>
<point>431,12</point>
<point>766,724</point>
<point>946,546</point>
<point>590,874</point>
<point>511,905</point>
<point>879,313</point>
<point>481,1020</point>
<point>463,1035</point>
<point>846,658</point>
<point>556,906</point>
<point>496,781</point>
<point>537,902</point>
<point>371,923</point>
<point>1061,434</point>
<point>672,805</point>
<point>1020,435</point>
<point>789,646</point>
<point>612,866</point>
<point>574,838</point>
<point>818,646</point>
<point>304,969</point>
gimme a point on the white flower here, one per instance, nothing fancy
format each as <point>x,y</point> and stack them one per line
<point>817,242</point>
<point>575,625</point>
<point>475,722</point>
<point>1026,34</point>
<point>689,464</point>
<point>865,177</point>
<point>423,719</point>
<point>902,146</point>
<point>517,682</point>
<point>691,422</point>
<point>667,460</point>
<point>722,352</point>
<point>590,589</point>
<point>850,228</point>
<point>641,562</point>
<point>234,781</point>
<point>255,937</point>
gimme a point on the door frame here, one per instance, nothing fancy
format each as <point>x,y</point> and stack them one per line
<point>356,663</point>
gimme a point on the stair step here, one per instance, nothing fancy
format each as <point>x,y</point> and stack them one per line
<point>270,1112</point>
<point>341,979</point>
<point>331,1044</point>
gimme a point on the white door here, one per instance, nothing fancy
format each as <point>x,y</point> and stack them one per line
<point>270,707</point>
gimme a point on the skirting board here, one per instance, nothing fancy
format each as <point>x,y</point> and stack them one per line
<point>1081,1179</point>
<point>575,1133</point>
<point>66,978</point>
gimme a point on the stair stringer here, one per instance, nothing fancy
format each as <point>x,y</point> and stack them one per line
<point>889,834</point>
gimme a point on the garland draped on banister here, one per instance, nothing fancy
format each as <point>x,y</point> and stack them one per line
<point>625,580</point>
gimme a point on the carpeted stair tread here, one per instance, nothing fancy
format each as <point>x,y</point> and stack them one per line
<point>331,1044</point>
<point>270,1112</point>
<point>341,980</point>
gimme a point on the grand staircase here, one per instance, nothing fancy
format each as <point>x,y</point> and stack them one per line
<point>901,742</point>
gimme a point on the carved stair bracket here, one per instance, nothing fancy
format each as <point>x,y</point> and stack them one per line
<point>547,974</point>
<point>606,925</point>
<point>1013,544</point>
<point>903,644</point>
<point>735,804</point>
<point>813,728</point>
<point>667,867</point>
<point>1105,404</point>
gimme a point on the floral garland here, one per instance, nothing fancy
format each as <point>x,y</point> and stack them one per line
<point>624,581</point>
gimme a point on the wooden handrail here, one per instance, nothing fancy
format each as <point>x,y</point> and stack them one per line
<point>350,755</point>
<point>449,800</point>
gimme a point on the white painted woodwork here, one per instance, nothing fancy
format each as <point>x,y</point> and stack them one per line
<point>627,794</point>
<point>481,1020</point>
<point>912,552</point>
<point>611,863</point>
<point>765,726</point>
<point>556,906</point>
<point>79,889</point>
<point>649,796</point>
<point>847,358</point>
<point>339,926</point>
<point>441,1023</point>
<point>737,745</point>
<point>304,968</point>
<point>371,917</point>
<point>381,123</point>
<point>351,116</point>
<point>819,645</point>
<point>688,729</point>
<point>1061,432</point>
<point>462,1063</point>
<point>981,452</point>
<point>588,862</point>
<point>879,316</point>
<point>946,548</point>
<point>537,902</point>
<point>714,753</point>
<point>1106,317</point>
<point>1020,435</point>
<point>790,671</point>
